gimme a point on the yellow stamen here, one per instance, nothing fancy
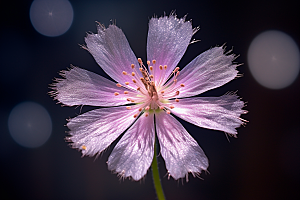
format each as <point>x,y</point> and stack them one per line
<point>140,61</point>
<point>116,93</point>
<point>132,66</point>
<point>83,147</point>
<point>126,83</point>
<point>132,73</point>
<point>126,92</point>
<point>153,61</point>
<point>128,107</point>
<point>119,85</point>
<point>125,73</point>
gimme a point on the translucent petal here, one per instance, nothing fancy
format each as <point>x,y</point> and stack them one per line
<point>218,113</point>
<point>209,70</point>
<point>94,131</point>
<point>81,87</point>
<point>133,154</point>
<point>112,52</point>
<point>168,39</point>
<point>180,151</point>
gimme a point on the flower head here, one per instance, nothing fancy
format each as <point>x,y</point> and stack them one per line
<point>145,97</point>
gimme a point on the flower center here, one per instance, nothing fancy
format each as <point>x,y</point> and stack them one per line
<point>152,91</point>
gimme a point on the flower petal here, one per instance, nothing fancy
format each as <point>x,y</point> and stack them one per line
<point>94,131</point>
<point>218,113</point>
<point>81,87</point>
<point>180,151</point>
<point>168,39</point>
<point>133,154</point>
<point>112,52</point>
<point>209,70</point>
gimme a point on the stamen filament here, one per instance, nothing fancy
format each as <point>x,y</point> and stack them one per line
<point>161,75</point>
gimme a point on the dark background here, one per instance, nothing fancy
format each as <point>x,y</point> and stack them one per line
<point>263,163</point>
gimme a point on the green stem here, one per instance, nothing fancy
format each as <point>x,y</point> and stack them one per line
<point>155,175</point>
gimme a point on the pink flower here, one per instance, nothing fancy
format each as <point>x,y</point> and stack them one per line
<point>145,98</point>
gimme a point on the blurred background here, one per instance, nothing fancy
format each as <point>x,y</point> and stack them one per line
<point>38,39</point>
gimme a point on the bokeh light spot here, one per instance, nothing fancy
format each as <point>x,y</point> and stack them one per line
<point>29,124</point>
<point>273,59</point>
<point>51,17</point>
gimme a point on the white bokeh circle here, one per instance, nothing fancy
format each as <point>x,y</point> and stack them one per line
<point>29,124</point>
<point>273,59</point>
<point>51,17</point>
